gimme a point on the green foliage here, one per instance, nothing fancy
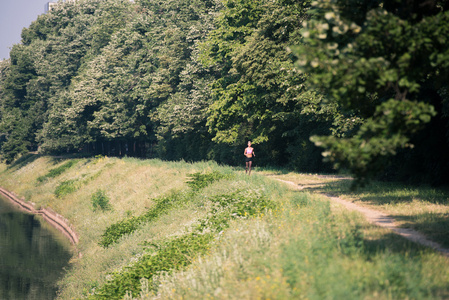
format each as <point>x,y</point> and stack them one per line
<point>181,251</point>
<point>182,73</point>
<point>175,255</point>
<point>100,201</point>
<point>66,187</point>
<point>16,123</point>
<point>232,206</point>
<point>194,80</point>
<point>259,94</point>
<point>163,205</point>
<point>379,136</point>
<point>384,61</point>
<point>182,85</point>
<point>16,130</point>
<point>74,117</point>
<point>57,171</point>
<point>199,180</point>
<point>42,68</point>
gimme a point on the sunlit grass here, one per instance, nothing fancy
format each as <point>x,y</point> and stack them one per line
<point>304,248</point>
<point>130,184</point>
<point>422,208</point>
<point>308,249</point>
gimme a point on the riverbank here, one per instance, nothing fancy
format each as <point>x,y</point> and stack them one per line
<point>54,219</point>
<point>217,234</point>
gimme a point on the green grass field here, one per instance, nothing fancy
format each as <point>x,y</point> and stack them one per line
<point>177,230</point>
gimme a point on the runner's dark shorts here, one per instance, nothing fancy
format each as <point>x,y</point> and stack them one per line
<point>248,159</point>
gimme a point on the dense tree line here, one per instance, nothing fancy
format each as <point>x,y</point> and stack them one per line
<point>196,79</point>
<point>388,63</point>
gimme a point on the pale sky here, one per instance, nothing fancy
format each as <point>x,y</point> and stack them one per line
<point>14,16</point>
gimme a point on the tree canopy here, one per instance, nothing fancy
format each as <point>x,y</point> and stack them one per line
<point>387,62</point>
<point>197,79</point>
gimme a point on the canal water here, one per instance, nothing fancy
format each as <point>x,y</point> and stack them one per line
<point>33,255</point>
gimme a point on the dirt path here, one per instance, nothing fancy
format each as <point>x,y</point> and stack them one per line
<point>381,219</point>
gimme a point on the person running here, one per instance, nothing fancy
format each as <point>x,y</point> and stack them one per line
<point>249,153</point>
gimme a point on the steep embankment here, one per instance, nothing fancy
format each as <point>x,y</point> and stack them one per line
<point>177,230</point>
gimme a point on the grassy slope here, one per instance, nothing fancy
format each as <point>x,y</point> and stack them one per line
<point>305,247</point>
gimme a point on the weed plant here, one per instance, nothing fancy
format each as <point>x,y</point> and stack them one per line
<point>129,225</point>
<point>163,205</point>
<point>201,180</point>
<point>100,201</point>
<point>56,171</point>
<point>181,252</point>
<point>307,249</point>
<point>70,186</point>
<point>66,187</point>
<point>175,255</point>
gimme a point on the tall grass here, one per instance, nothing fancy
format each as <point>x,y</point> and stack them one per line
<point>246,237</point>
<point>307,249</point>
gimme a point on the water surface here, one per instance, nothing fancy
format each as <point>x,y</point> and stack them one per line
<point>33,255</point>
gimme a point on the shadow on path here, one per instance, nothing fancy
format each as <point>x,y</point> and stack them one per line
<point>383,220</point>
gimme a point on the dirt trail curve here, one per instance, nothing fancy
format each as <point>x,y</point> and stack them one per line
<point>51,217</point>
<point>384,220</point>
